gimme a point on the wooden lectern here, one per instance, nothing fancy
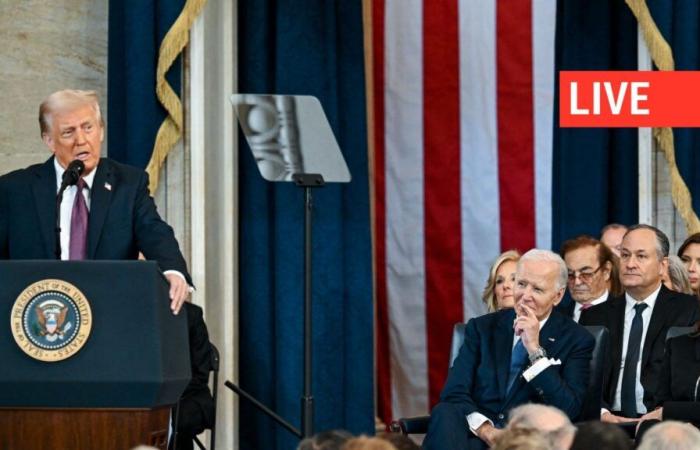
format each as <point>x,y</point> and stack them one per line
<point>116,389</point>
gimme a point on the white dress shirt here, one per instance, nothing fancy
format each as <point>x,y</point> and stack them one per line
<point>646,318</point>
<point>597,301</point>
<point>476,419</point>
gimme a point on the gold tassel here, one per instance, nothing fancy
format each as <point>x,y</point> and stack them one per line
<point>170,130</point>
<point>662,55</point>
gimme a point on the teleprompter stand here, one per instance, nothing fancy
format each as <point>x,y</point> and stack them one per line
<point>292,141</point>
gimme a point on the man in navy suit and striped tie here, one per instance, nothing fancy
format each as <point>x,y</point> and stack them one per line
<point>511,357</point>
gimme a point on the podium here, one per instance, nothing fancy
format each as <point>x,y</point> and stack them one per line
<point>111,386</point>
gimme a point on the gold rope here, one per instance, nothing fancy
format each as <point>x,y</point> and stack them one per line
<point>662,55</point>
<point>170,130</point>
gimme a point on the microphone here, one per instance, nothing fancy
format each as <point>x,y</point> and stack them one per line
<point>70,177</point>
<point>72,173</point>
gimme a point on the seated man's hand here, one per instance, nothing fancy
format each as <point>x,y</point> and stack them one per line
<point>488,433</point>
<point>179,290</point>
<point>657,414</point>
<point>612,418</point>
<point>527,327</point>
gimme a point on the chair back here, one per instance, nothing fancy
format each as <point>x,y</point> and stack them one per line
<point>457,341</point>
<point>594,393</point>
<point>678,331</point>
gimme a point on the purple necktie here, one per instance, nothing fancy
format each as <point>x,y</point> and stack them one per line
<point>78,225</point>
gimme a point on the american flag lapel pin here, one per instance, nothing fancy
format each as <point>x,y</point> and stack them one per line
<point>108,186</point>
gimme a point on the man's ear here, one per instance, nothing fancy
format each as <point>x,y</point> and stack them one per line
<point>560,295</point>
<point>46,137</point>
<point>607,270</point>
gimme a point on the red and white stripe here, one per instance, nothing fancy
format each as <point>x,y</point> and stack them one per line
<point>463,116</point>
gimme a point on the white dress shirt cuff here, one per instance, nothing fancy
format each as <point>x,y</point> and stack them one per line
<point>535,369</point>
<point>475,420</point>
<point>179,274</point>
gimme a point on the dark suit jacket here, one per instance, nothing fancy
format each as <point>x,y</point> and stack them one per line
<point>671,309</point>
<point>568,308</point>
<point>123,220</point>
<point>196,403</point>
<point>478,378</point>
<point>678,378</point>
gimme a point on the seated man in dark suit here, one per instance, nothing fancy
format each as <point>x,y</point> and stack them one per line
<point>638,322</point>
<point>593,274</point>
<point>107,214</point>
<point>196,406</point>
<point>512,357</point>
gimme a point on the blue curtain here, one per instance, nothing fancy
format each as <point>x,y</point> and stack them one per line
<point>679,23</point>
<point>312,48</point>
<point>595,169</point>
<point>136,29</point>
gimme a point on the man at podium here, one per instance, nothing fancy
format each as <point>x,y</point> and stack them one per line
<point>106,211</point>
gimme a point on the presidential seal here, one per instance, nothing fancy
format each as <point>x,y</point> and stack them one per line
<point>51,320</point>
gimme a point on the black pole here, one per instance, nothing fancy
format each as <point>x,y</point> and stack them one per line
<point>262,408</point>
<point>307,401</point>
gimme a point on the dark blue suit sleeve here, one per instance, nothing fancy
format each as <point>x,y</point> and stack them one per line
<point>460,380</point>
<point>565,386</point>
<point>155,238</point>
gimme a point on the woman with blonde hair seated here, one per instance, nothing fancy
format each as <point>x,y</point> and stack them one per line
<point>498,293</point>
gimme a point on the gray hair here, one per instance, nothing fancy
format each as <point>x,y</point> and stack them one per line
<point>538,254</point>
<point>535,416</point>
<point>662,245</point>
<point>678,275</point>
<point>67,99</point>
<point>671,435</point>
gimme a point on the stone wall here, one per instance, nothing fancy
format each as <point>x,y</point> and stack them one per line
<point>46,46</point>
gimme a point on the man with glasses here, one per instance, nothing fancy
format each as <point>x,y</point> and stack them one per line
<point>592,274</point>
<point>638,323</point>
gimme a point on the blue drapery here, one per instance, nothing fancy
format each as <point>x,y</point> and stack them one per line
<point>136,29</point>
<point>595,169</point>
<point>312,48</point>
<point>679,23</point>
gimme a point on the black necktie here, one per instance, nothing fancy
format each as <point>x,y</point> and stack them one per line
<point>629,374</point>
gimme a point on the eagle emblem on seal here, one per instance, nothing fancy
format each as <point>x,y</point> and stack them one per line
<point>51,317</point>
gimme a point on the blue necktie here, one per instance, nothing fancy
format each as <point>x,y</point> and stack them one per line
<point>629,374</point>
<point>518,358</point>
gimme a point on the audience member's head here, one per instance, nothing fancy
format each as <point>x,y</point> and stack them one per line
<point>592,269</point>
<point>498,293</point>
<point>671,435</point>
<point>540,281</point>
<point>676,277</point>
<point>400,441</point>
<point>689,253</point>
<point>551,422</point>
<point>643,260</point>
<point>325,440</point>
<point>600,436</point>
<point>611,235</point>
<point>367,443</point>
<point>523,439</point>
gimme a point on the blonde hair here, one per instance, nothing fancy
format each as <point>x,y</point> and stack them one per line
<point>489,295</point>
<point>66,100</point>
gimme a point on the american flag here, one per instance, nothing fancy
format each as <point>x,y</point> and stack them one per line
<point>462,116</point>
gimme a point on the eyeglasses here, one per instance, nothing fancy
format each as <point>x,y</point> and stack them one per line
<point>586,276</point>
